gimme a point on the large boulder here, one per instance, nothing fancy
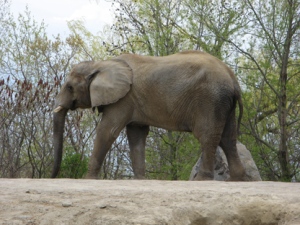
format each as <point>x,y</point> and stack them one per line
<point>221,166</point>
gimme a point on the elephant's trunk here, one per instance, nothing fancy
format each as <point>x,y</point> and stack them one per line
<point>58,131</point>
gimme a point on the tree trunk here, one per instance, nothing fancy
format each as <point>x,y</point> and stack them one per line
<point>282,116</point>
<point>283,155</point>
<point>173,156</point>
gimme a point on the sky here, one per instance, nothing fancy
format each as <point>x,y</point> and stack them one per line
<point>56,13</point>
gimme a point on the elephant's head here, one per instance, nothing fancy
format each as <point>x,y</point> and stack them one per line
<point>90,84</point>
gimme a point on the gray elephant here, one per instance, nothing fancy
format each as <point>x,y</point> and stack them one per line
<point>190,91</point>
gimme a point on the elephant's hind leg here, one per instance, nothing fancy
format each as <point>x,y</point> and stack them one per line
<point>228,144</point>
<point>137,140</point>
<point>209,139</point>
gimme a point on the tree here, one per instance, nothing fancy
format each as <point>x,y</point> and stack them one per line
<point>273,51</point>
<point>147,26</point>
<point>209,24</point>
<point>32,67</point>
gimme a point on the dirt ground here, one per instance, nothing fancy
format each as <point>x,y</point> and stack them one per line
<point>66,201</point>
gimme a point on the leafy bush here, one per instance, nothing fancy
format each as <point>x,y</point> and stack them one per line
<point>74,165</point>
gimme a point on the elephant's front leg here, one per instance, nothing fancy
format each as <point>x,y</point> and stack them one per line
<point>137,140</point>
<point>106,135</point>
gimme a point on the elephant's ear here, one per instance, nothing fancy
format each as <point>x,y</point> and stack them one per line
<point>110,82</point>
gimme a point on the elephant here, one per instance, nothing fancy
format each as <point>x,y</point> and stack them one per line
<point>190,91</point>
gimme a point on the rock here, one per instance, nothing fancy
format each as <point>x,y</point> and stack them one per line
<point>102,205</point>
<point>221,172</point>
<point>33,192</point>
<point>66,204</point>
<point>248,162</point>
<point>23,217</point>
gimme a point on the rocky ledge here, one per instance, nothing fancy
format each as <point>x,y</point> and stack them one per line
<point>66,201</point>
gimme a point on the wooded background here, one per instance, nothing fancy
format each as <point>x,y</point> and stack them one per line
<point>258,39</point>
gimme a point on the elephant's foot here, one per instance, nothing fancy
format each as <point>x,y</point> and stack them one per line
<point>240,177</point>
<point>93,169</point>
<point>204,176</point>
<point>91,177</point>
<point>92,174</point>
<point>139,177</point>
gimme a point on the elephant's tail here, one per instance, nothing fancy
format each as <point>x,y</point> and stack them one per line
<point>241,110</point>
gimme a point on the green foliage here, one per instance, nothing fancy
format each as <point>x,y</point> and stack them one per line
<point>170,155</point>
<point>148,27</point>
<point>210,24</point>
<point>73,165</point>
<point>262,130</point>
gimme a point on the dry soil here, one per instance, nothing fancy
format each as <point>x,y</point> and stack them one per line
<point>67,201</point>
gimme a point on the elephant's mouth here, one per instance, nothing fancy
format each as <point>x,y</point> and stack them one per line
<point>60,107</point>
<point>74,105</point>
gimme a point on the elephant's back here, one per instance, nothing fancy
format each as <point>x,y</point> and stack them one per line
<point>182,65</point>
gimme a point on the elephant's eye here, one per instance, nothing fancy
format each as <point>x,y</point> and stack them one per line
<point>69,87</point>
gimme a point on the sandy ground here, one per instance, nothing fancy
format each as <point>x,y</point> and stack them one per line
<point>65,201</point>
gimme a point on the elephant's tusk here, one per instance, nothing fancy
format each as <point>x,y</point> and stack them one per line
<point>57,109</point>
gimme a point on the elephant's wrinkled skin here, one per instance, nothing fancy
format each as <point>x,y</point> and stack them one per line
<point>190,91</point>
